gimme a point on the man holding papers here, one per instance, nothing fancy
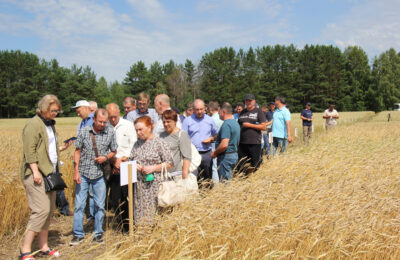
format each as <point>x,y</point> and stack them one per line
<point>125,135</point>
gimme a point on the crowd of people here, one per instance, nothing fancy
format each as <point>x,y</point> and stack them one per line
<point>230,140</point>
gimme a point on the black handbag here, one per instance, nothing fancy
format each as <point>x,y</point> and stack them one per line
<point>107,169</point>
<point>53,182</point>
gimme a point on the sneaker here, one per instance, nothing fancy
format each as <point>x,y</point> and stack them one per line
<point>76,241</point>
<point>98,239</point>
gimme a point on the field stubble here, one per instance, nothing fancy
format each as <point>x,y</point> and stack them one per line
<point>336,198</point>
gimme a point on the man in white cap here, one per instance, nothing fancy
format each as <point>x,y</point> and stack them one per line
<point>82,108</point>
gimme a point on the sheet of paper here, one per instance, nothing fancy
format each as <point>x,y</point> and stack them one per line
<point>270,138</point>
<point>124,172</point>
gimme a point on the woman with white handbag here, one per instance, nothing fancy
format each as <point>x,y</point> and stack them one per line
<point>185,158</point>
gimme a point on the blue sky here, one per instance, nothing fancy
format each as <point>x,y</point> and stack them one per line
<point>110,36</point>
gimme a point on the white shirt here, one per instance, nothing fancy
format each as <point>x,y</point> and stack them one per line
<point>331,121</point>
<point>125,134</point>
<point>159,126</point>
<point>52,146</point>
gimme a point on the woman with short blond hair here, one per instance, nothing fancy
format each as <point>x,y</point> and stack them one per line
<point>40,157</point>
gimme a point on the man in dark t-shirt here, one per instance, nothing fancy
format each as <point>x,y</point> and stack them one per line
<point>307,117</point>
<point>252,122</point>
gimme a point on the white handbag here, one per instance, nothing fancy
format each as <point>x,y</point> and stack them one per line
<point>196,157</point>
<point>173,191</point>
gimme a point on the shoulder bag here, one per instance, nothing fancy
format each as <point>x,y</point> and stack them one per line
<point>107,169</point>
<point>173,191</point>
<point>53,182</point>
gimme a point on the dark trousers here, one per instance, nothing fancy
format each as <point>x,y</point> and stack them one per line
<point>119,202</point>
<point>249,153</point>
<point>205,169</point>
<point>62,203</point>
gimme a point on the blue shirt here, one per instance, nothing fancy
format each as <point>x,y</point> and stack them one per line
<point>86,122</point>
<point>307,113</point>
<point>218,122</point>
<point>236,116</point>
<point>229,129</point>
<point>134,114</point>
<point>279,128</point>
<point>200,129</point>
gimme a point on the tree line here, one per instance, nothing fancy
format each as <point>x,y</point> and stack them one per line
<point>319,74</point>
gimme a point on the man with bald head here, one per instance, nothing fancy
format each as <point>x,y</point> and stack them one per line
<point>202,131</point>
<point>161,104</point>
<point>125,135</point>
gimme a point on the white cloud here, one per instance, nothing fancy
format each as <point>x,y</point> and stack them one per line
<point>271,8</point>
<point>373,25</point>
<point>88,33</point>
<point>150,9</point>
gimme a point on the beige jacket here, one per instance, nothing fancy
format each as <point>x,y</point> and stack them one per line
<point>36,148</point>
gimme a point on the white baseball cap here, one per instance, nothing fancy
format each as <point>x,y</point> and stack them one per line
<point>81,103</point>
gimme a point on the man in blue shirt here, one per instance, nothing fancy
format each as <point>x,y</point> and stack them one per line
<point>307,117</point>
<point>227,143</point>
<point>213,107</point>
<point>281,125</point>
<point>82,108</point>
<point>129,105</point>
<point>202,131</point>
<point>143,102</point>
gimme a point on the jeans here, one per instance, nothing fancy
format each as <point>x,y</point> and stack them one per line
<point>226,163</point>
<point>214,167</point>
<point>62,203</point>
<point>91,204</point>
<point>99,197</point>
<point>267,145</point>
<point>281,143</point>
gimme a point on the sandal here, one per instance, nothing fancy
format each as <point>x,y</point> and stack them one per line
<point>50,252</point>
<point>26,256</point>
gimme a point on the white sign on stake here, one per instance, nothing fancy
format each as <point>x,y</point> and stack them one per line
<point>312,128</point>
<point>270,138</point>
<point>295,132</point>
<point>124,172</point>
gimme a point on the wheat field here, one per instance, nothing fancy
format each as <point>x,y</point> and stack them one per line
<point>337,198</point>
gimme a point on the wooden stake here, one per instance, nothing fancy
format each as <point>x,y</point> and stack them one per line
<point>130,201</point>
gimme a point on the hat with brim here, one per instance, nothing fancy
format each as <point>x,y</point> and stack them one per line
<point>249,97</point>
<point>81,103</point>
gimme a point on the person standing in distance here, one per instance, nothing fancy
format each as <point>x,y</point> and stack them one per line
<point>281,126</point>
<point>331,115</point>
<point>307,117</point>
